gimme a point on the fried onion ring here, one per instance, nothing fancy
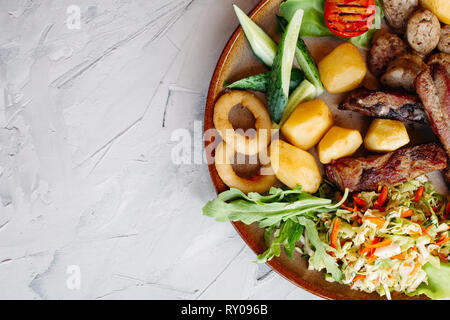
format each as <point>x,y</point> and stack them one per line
<point>239,142</point>
<point>259,183</point>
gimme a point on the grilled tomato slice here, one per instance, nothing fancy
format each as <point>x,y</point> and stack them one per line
<point>349,18</point>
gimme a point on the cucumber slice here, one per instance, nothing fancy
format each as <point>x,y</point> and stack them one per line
<point>262,45</point>
<point>304,92</point>
<point>278,88</point>
<point>260,81</point>
<point>304,59</point>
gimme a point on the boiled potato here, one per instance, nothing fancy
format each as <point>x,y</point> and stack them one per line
<point>386,135</point>
<point>307,124</point>
<point>441,8</point>
<point>343,69</point>
<point>338,143</point>
<point>294,166</point>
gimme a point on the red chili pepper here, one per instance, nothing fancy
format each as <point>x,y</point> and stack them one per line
<point>419,194</point>
<point>349,18</point>
<point>447,210</point>
<point>354,209</point>
<point>381,199</point>
<point>360,202</point>
<point>334,232</point>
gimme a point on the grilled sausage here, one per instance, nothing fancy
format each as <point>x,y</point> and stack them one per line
<point>367,173</point>
<point>423,31</point>
<point>385,47</point>
<point>444,41</point>
<point>397,13</point>
<point>402,72</point>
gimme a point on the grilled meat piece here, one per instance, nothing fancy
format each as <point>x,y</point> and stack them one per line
<point>433,88</point>
<point>367,173</point>
<point>385,104</point>
<point>441,58</point>
<point>447,174</point>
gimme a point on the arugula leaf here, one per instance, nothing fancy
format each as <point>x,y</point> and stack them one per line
<point>284,214</point>
<point>313,24</point>
<point>287,235</point>
<point>320,257</point>
<point>438,286</point>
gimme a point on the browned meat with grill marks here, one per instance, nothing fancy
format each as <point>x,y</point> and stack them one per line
<point>385,104</point>
<point>367,173</point>
<point>447,174</point>
<point>433,87</point>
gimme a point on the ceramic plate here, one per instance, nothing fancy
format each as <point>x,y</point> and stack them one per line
<point>237,61</point>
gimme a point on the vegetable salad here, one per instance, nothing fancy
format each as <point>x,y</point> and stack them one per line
<point>389,241</point>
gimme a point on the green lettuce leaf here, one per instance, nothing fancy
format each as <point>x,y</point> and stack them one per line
<point>313,24</point>
<point>438,286</point>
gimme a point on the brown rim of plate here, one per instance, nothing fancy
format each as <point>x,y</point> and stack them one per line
<point>220,186</point>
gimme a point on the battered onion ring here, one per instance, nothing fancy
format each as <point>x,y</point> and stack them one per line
<point>259,183</point>
<point>239,142</point>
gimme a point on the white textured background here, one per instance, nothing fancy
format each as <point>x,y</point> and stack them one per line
<point>86,177</point>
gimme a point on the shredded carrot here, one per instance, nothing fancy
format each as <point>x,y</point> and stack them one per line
<point>443,257</point>
<point>419,194</point>
<point>425,231</point>
<point>358,277</point>
<point>376,240</point>
<point>334,232</point>
<point>416,267</point>
<point>407,213</point>
<point>354,209</point>
<point>442,240</point>
<point>381,199</point>
<point>383,243</point>
<point>363,251</point>
<point>376,220</point>
<point>400,256</point>
<point>371,259</point>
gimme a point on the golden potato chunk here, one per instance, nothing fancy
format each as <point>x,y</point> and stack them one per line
<point>441,8</point>
<point>294,166</point>
<point>386,135</point>
<point>307,124</point>
<point>338,143</point>
<point>343,69</point>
